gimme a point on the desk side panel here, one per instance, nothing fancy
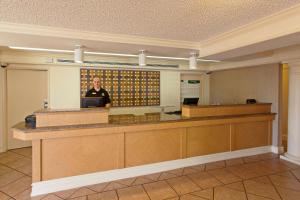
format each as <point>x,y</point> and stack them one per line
<point>251,134</point>
<point>81,155</point>
<point>208,140</point>
<point>145,147</point>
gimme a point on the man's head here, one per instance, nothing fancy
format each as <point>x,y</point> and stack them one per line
<point>96,82</point>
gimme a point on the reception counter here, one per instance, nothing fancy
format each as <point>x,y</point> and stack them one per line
<point>128,140</point>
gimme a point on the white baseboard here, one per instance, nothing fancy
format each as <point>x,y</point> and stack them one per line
<point>288,158</point>
<point>55,185</point>
<point>277,150</point>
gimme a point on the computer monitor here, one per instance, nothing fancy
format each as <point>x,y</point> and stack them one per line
<point>190,101</point>
<point>90,102</point>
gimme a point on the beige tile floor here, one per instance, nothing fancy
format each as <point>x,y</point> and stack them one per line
<point>259,177</point>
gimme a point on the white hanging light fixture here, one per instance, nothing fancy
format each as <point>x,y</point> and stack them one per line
<point>78,54</point>
<point>193,61</point>
<point>142,58</point>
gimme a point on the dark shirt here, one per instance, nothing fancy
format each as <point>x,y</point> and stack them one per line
<point>101,93</point>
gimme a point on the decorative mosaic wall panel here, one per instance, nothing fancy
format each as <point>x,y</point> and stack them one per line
<point>125,87</point>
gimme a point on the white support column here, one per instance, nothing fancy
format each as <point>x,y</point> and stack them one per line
<point>293,152</point>
<point>3,122</point>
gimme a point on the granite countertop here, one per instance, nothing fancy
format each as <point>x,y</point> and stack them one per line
<point>224,105</point>
<point>133,120</point>
<point>42,111</point>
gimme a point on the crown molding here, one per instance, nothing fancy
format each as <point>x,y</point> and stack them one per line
<point>37,30</point>
<point>277,25</point>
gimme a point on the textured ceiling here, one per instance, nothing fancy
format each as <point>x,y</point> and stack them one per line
<point>190,20</point>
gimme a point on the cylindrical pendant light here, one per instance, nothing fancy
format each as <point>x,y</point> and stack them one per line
<point>193,61</point>
<point>142,58</point>
<point>78,54</point>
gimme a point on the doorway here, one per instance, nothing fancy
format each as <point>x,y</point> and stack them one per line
<point>26,91</point>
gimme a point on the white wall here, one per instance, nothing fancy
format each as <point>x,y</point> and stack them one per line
<point>170,90</point>
<point>237,85</point>
<point>64,87</point>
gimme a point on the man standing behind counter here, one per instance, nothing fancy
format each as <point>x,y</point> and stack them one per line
<point>97,91</point>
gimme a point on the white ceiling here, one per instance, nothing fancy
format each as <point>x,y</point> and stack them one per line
<point>188,20</point>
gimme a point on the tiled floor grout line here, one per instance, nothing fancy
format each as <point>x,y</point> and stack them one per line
<point>172,188</point>
<point>260,196</point>
<point>19,154</point>
<point>194,182</point>
<point>294,175</point>
<point>88,188</point>
<point>213,189</point>
<point>16,169</point>
<point>116,191</point>
<point>146,191</point>
<point>274,187</point>
<point>218,178</point>
<point>245,189</point>
<point>197,195</point>
<point>7,194</point>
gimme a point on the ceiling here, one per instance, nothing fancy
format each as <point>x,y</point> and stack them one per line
<point>171,28</point>
<point>187,20</point>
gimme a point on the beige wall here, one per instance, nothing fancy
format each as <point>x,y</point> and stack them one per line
<point>64,87</point>
<point>204,85</point>
<point>237,85</point>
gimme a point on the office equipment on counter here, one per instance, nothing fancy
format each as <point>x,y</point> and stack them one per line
<point>190,101</point>
<point>30,121</point>
<point>177,112</point>
<point>90,102</point>
<point>250,101</point>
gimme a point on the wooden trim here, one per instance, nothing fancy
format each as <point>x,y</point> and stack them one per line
<point>36,160</point>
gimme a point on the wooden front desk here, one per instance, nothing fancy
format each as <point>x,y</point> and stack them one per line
<point>127,141</point>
